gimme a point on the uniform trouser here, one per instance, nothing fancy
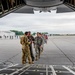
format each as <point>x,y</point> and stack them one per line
<point>31,52</point>
<point>38,51</point>
<point>25,55</point>
<point>42,47</point>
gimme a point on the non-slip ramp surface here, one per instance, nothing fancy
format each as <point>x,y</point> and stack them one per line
<point>39,69</point>
<point>25,9</point>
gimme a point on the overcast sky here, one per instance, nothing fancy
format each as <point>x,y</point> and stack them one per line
<point>42,22</point>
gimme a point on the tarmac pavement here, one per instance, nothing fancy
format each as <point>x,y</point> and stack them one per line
<point>59,50</point>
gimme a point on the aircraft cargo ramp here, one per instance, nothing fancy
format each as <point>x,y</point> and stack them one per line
<point>39,69</point>
<point>58,58</point>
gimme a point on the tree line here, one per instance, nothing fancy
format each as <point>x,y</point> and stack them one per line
<point>17,32</point>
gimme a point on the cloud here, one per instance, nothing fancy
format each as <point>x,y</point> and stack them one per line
<point>52,23</point>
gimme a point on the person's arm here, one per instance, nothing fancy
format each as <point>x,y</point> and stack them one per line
<point>41,42</point>
<point>33,38</point>
<point>35,41</point>
<point>26,41</point>
<point>22,40</point>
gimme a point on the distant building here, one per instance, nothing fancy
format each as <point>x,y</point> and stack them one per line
<point>7,34</point>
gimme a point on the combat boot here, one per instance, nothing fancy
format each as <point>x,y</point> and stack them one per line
<point>23,62</point>
<point>36,58</point>
<point>30,62</point>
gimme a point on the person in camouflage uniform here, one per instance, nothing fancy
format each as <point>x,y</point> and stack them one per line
<point>31,39</point>
<point>38,45</point>
<point>25,49</point>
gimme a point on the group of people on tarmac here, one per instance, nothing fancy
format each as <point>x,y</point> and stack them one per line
<point>26,41</point>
